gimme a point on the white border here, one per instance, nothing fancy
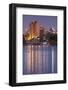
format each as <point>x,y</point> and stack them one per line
<point>19,56</point>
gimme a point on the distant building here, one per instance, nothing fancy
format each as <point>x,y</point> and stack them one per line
<point>37,33</point>
<point>34,30</point>
<point>41,33</point>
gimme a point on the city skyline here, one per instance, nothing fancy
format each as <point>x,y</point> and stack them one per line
<point>36,34</point>
<point>44,21</point>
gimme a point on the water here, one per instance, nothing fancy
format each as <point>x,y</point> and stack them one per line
<point>39,59</point>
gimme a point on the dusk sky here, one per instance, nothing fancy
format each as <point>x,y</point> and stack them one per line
<point>45,21</point>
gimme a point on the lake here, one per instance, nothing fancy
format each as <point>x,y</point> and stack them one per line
<point>39,59</point>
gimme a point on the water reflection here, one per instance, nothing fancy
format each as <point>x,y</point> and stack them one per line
<point>39,59</point>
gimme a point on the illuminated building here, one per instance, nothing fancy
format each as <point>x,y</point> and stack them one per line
<point>34,30</point>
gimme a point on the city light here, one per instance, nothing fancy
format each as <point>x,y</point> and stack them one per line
<point>36,34</point>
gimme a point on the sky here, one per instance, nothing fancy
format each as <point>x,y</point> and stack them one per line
<point>45,21</point>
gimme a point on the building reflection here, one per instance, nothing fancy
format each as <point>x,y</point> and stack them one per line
<point>39,59</point>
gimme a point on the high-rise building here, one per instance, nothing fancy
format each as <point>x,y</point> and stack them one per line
<point>41,33</point>
<point>34,30</point>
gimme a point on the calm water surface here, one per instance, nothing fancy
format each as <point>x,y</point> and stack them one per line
<point>39,59</point>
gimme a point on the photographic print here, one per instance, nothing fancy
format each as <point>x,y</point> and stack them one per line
<point>37,44</point>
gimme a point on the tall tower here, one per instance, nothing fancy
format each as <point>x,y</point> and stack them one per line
<point>36,28</point>
<point>31,30</point>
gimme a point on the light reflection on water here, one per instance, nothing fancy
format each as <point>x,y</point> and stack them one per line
<point>39,59</point>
